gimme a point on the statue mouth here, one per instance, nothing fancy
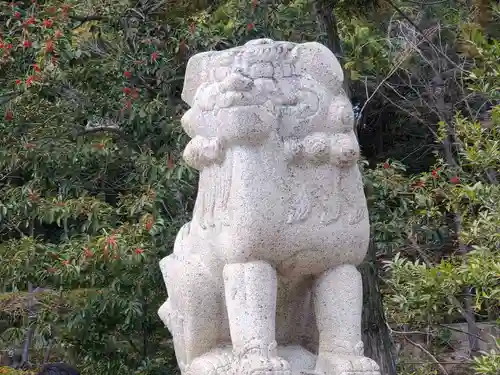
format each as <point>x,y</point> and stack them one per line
<point>234,99</point>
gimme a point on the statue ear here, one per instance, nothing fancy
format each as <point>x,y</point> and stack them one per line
<point>206,67</point>
<point>319,62</point>
<point>197,73</point>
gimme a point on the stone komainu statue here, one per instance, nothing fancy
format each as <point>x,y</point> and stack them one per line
<point>263,279</point>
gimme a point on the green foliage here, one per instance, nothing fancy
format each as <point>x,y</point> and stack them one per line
<point>455,208</point>
<point>91,191</point>
<point>443,224</point>
<point>422,294</point>
<point>488,363</point>
<point>415,369</point>
<point>388,193</point>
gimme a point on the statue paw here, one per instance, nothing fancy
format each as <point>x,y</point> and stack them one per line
<point>331,364</point>
<point>216,362</point>
<point>260,365</point>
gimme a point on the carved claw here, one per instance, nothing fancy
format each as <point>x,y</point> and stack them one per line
<point>257,358</point>
<point>212,363</point>
<point>259,365</point>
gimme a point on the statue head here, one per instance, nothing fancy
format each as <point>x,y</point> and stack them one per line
<point>244,94</point>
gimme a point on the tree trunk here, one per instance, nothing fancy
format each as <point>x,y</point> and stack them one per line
<point>327,26</point>
<point>376,337</point>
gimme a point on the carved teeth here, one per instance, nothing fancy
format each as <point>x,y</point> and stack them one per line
<point>235,82</point>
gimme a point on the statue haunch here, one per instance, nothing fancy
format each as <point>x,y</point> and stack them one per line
<point>263,280</point>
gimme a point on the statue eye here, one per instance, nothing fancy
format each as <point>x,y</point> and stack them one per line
<point>308,104</point>
<point>220,73</point>
<point>348,117</point>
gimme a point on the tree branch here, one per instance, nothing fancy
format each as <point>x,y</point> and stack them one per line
<point>402,14</point>
<point>429,354</point>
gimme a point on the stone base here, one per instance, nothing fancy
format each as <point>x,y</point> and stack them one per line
<point>220,360</point>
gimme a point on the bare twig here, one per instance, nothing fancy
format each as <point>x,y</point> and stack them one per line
<point>428,363</point>
<point>402,14</point>
<point>462,331</point>
<point>402,58</point>
<point>405,332</point>
<point>47,351</point>
<point>391,72</point>
<point>425,3</point>
<point>429,354</point>
<point>29,333</point>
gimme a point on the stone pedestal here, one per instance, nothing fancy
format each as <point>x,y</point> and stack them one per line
<point>263,279</point>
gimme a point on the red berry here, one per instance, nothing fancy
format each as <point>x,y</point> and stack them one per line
<point>170,162</point>
<point>8,116</point>
<point>18,81</point>
<point>49,46</point>
<point>418,184</point>
<point>17,15</point>
<point>386,165</point>
<point>182,46</point>
<point>127,74</point>
<point>154,56</point>
<point>26,43</point>
<point>47,23</point>
<point>250,27</point>
<point>454,180</point>
<point>139,251</point>
<point>98,146</point>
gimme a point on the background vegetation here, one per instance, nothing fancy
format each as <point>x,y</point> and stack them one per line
<point>93,188</point>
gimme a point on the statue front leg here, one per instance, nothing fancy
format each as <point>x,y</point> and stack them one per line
<point>192,311</point>
<point>338,306</point>
<point>251,293</point>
